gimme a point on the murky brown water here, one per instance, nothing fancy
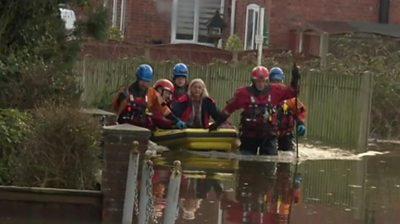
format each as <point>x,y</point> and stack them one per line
<point>218,190</point>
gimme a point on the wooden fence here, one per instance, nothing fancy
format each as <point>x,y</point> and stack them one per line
<point>338,105</point>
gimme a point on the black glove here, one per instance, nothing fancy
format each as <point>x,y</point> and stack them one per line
<point>214,126</point>
<point>295,76</point>
<point>222,118</point>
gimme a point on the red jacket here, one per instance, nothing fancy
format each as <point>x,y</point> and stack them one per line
<point>179,92</point>
<point>272,95</point>
<point>183,109</point>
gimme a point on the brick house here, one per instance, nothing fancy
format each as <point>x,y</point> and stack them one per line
<point>184,21</point>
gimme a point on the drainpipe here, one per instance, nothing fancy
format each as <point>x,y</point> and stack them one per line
<point>384,8</point>
<point>260,36</point>
<point>174,15</point>
<point>233,14</point>
<point>301,40</point>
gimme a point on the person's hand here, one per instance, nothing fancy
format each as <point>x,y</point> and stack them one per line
<point>214,126</point>
<point>300,129</point>
<point>295,75</point>
<point>180,124</point>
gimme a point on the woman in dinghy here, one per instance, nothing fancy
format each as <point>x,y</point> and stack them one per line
<point>196,107</point>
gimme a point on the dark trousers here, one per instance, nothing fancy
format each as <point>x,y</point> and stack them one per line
<point>250,145</point>
<point>285,142</point>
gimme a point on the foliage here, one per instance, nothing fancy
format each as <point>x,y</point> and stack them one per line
<point>37,54</point>
<point>62,150</point>
<point>97,24</point>
<point>234,43</point>
<point>14,127</point>
<point>115,34</point>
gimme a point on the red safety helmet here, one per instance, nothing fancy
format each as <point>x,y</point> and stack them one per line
<point>260,73</point>
<point>165,84</point>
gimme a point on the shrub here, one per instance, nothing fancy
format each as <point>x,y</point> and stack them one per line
<point>233,43</point>
<point>62,150</point>
<point>14,127</point>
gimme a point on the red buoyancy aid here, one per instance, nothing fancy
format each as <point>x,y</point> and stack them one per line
<point>136,111</point>
<point>259,117</point>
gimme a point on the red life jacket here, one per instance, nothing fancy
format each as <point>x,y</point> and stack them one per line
<point>179,92</point>
<point>136,111</point>
<point>259,117</point>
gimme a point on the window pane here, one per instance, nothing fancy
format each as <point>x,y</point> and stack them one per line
<point>185,19</point>
<point>250,23</point>
<point>207,9</point>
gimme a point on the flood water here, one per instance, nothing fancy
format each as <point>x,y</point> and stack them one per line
<point>326,187</point>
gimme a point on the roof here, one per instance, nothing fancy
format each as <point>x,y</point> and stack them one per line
<point>339,27</point>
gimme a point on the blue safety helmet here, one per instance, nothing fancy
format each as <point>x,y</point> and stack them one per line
<point>276,74</point>
<point>144,72</point>
<point>180,70</point>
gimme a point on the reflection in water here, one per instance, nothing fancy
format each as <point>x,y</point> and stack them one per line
<point>194,191</point>
<point>263,195</point>
<point>224,190</point>
<point>245,192</point>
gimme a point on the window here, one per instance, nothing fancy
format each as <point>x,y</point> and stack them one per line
<point>252,19</point>
<point>190,18</point>
<point>114,18</point>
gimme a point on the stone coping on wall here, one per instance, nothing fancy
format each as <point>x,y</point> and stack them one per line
<point>95,111</point>
<point>38,194</point>
<point>125,133</point>
<point>125,129</point>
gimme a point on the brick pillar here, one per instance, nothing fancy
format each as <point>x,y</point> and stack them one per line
<point>118,142</point>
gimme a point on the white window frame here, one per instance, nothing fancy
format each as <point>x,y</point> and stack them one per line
<point>255,8</point>
<point>174,20</point>
<point>114,13</point>
<point>122,18</point>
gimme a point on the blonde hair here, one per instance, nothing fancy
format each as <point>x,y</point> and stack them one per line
<point>194,81</point>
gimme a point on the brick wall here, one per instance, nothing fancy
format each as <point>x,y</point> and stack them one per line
<point>311,44</point>
<point>148,21</point>
<point>287,14</point>
<point>394,16</point>
<point>49,205</point>
<point>188,53</point>
<point>117,146</point>
<point>110,50</point>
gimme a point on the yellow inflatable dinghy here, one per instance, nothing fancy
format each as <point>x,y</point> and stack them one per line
<point>223,139</point>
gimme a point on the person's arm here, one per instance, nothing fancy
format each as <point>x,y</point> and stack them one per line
<point>178,108</point>
<point>300,115</point>
<point>117,102</point>
<point>231,105</point>
<point>287,92</point>
<point>213,110</point>
<point>301,111</point>
<point>234,103</point>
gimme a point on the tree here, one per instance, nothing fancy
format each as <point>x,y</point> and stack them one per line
<point>37,54</point>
